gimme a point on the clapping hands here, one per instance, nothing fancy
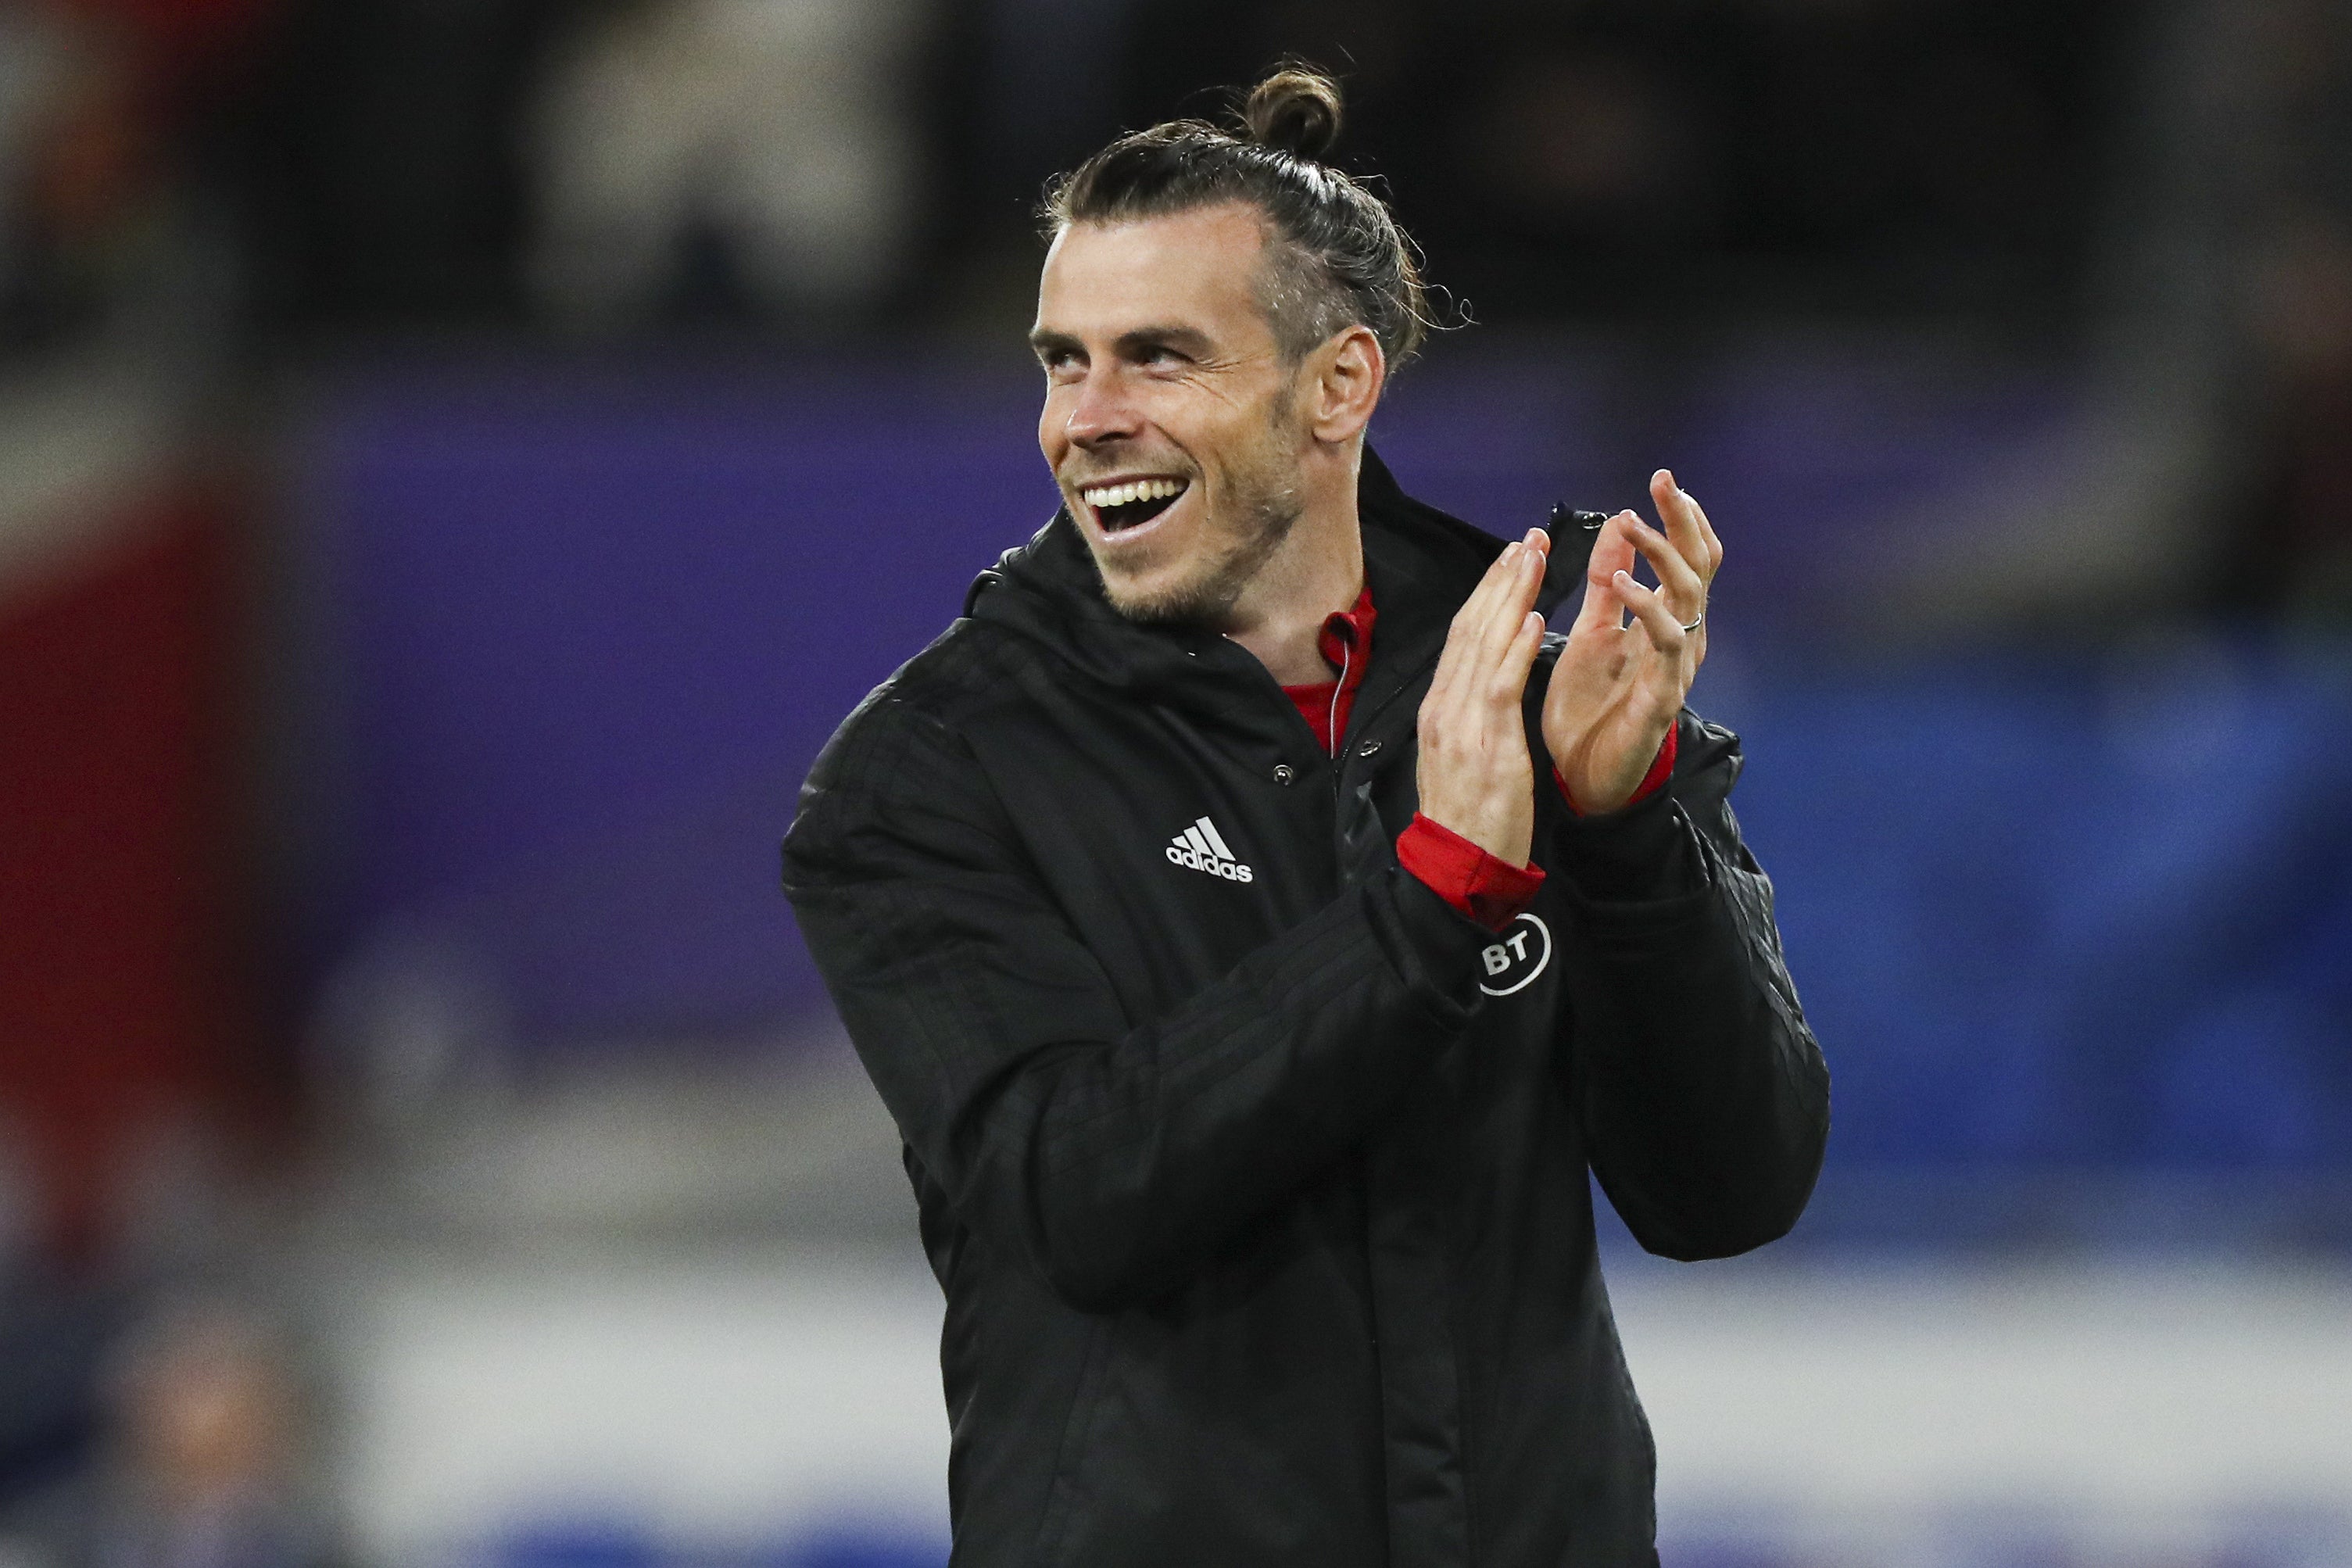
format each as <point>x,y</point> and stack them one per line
<point>1613,696</point>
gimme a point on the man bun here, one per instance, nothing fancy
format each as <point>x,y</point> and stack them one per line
<point>1294,110</point>
<point>1335,255</point>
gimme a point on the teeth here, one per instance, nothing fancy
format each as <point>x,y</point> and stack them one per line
<point>1132,491</point>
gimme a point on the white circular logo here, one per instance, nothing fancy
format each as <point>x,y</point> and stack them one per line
<point>1516,957</point>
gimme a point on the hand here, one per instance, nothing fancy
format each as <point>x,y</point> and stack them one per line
<point>1617,689</point>
<point>1474,773</point>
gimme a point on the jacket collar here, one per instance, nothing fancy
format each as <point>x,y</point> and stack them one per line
<point>1420,563</point>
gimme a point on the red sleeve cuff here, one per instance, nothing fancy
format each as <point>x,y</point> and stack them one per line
<point>1661,768</point>
<point>1480,886</point>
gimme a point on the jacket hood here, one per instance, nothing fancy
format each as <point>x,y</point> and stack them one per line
<point>1422,562</point>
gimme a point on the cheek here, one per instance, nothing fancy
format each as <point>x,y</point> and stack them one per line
<point>1203,436</point>
<point>1247,448</point>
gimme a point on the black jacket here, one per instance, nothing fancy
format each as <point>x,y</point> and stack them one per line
<point>1260,1205</point>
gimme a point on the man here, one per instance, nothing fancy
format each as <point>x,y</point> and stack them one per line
<point>1251,1008</point>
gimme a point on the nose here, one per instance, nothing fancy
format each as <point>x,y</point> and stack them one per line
<point>1100,411</point>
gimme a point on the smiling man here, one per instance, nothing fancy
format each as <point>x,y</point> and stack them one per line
<point>1259,925</point>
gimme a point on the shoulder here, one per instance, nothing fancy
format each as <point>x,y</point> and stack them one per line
<point>904,750</point>
<point>921,707</point>
<point>969,671</point>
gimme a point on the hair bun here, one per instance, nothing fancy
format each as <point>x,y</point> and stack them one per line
<point>1294,110</point>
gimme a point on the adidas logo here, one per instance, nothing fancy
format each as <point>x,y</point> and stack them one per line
<point>1200,847</point>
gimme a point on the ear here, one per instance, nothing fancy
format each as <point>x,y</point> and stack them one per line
<point>1344,380</point>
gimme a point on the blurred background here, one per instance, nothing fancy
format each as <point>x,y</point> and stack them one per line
<point>459,458</point>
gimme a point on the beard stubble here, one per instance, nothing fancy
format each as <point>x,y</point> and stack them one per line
<point>1264,496</point>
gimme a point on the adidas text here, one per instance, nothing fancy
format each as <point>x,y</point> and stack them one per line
<point>1201,848</point>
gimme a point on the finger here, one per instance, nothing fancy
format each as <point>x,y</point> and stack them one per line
<point>1516,598</point>
<point>1612,552</point>
<point>1686,524</point>
<point>1707,537</point>
<point>1501,574</point>
<point>1510,676</point>
<point>1676,520</point>
<point>1684,589</point>
<point>1655,615</point>
<point>1462,652</point>
<point>1505,597</point>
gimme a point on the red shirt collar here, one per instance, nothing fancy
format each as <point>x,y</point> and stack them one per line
<point>1345,639</point>
<point>1345,644</point>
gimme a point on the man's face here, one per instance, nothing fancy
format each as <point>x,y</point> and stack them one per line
<point>1169,422</point>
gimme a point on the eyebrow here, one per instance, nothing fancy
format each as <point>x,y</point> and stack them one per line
<point>1188,341</point>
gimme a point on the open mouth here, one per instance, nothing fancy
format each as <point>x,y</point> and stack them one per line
<point>1132,503</point>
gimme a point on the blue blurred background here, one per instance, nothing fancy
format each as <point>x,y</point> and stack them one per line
<point>458,464</point>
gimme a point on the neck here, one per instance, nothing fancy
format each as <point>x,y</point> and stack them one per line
<point>1316,574</point>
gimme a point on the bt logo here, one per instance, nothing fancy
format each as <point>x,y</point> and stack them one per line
<point>1518,955</point>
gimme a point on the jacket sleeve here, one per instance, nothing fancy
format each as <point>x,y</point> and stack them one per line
<point>1115,1154</point>
<point>1704,1094</point>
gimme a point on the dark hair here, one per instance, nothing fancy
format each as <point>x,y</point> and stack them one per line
<point>1335,256</point>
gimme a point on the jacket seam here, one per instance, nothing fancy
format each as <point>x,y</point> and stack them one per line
<point>1078,1439</point>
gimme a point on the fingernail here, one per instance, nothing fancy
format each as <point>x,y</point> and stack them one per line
<point>1511,550</point>
<point>1671,483</point>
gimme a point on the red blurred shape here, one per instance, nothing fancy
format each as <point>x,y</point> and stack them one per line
<point>115,860</point>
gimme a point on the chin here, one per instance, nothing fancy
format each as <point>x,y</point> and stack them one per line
<point>1180,603</point>
<point>1202,574</point>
